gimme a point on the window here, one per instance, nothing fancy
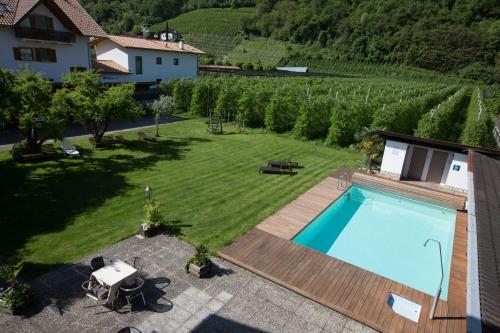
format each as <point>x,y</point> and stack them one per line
<point>138,65</point>
<point>158,60</point>
<point>45,55</point>
<point>176,61</point>
<point>23,53</point>
<point>41,22</point>
<point>5,8</point>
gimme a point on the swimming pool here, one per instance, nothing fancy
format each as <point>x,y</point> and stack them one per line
<point>384,233</point>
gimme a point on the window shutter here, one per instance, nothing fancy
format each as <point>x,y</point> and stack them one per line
<point>17,53</point>
<point>50,23</point>
<point>53,55</point>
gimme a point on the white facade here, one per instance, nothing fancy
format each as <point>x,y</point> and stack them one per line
<point>75,54</point>
<point>394,158</point>
<point>457,173</point>
<point>397,160</point>
<point>187,63</point>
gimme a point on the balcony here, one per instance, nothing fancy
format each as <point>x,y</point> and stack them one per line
<point>42,34</point>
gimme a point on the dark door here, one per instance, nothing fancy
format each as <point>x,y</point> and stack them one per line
<point>417,163</point>
<point>437,166</point>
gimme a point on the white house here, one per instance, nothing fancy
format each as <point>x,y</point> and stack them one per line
<point>48,36</point>
<point>145,61</point>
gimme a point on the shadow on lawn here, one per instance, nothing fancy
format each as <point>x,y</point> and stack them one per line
<point>45,197</point>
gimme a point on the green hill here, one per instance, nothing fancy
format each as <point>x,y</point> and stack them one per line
<point>213,30</point>
<point>224,21</point>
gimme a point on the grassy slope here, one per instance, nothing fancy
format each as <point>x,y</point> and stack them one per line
<point>225,21</point>
<point>268,51</point>
<point>57,211</point>
<point>214,30</point>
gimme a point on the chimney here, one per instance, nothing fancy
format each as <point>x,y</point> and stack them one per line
<point>181,44</point>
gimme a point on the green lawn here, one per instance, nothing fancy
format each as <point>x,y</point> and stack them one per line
<point>57,211</point>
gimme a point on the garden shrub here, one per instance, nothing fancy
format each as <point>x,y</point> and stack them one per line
<point>183,89</point>
<point>203,98</point>
<point>19,148</point>
<point>314,118</point>
<point>346,120</point>
<point>280,113</point>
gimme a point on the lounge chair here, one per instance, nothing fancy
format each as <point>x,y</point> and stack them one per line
<point>282,164</point>
<point>276,170</point>
<point>68,149</point>
<point>146,137</point>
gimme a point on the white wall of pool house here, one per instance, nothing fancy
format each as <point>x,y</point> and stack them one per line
<point>398,157</point>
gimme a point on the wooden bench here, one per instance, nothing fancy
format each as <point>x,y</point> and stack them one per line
<point>146,137</point>
<point>412,191</point>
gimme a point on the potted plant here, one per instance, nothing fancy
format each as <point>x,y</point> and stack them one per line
<point>153,221</point>
<point>199,265</point>
<point>14,295</point>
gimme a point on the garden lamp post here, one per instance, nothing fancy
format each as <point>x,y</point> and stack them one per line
<point>149,192</point>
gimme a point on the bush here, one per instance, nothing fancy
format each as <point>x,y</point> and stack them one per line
<point>167,87</point>
<point>182,94</point>
<point>239,64</point>
<point>203,98</point>
<point>18,298</point>
<point>248,66</point>
<point>18,149</point>
<point>346,120</point>
<point>280,114</point>
<point>314,118</point>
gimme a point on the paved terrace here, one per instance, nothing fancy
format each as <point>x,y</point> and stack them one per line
<point>231,300</point>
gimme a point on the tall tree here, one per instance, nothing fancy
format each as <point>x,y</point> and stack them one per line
<point>94,105</point>
<point>30,111</point>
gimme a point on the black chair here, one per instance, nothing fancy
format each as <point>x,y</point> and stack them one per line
<point>137,263</point>
<point>99,262</point>
<point>129,330</point>
<point>131,292</point>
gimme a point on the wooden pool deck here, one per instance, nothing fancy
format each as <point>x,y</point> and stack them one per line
<point>267,250</point>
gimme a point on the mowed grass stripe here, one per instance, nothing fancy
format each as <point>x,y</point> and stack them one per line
<point>58,211</point>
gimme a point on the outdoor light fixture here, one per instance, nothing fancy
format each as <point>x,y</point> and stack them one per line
<point>149,192</point>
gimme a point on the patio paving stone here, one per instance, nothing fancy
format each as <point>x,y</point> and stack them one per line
<point>230,300</point>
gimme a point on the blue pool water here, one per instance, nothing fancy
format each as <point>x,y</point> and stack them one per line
<point>385,233</point>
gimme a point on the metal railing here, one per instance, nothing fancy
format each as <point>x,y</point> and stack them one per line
<point>438,292</point>
<point>42,34</point>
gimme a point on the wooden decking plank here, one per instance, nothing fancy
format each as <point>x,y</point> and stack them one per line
<point>268,251</point>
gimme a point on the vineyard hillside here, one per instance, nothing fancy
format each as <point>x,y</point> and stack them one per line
<point>214,30</point>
